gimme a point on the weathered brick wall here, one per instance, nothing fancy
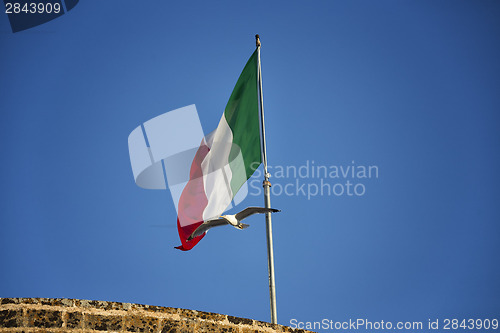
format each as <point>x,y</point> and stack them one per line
<point>38,315</point>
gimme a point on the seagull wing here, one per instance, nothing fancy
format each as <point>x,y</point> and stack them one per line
<point>254,210</point>
<point>207,225</point>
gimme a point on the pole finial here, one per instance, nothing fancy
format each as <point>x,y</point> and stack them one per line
<point>257,40</point>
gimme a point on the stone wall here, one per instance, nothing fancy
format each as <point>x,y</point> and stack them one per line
<point>38,315</point>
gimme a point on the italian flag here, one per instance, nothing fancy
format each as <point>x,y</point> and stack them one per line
<point>226,158</point>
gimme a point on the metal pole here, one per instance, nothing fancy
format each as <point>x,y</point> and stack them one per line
<point>267,195</point>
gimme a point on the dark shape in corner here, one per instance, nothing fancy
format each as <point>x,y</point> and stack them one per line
<point>30,14</point>
<point>70,4</point>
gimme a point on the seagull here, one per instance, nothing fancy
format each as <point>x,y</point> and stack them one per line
<point>234,220</point>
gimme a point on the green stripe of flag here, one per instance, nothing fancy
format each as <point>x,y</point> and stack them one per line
<point>242,116</point>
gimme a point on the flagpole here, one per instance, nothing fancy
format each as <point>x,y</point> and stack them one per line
<point>266,184</point>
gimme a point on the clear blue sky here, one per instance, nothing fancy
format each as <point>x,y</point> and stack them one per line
<point>411,87</point>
